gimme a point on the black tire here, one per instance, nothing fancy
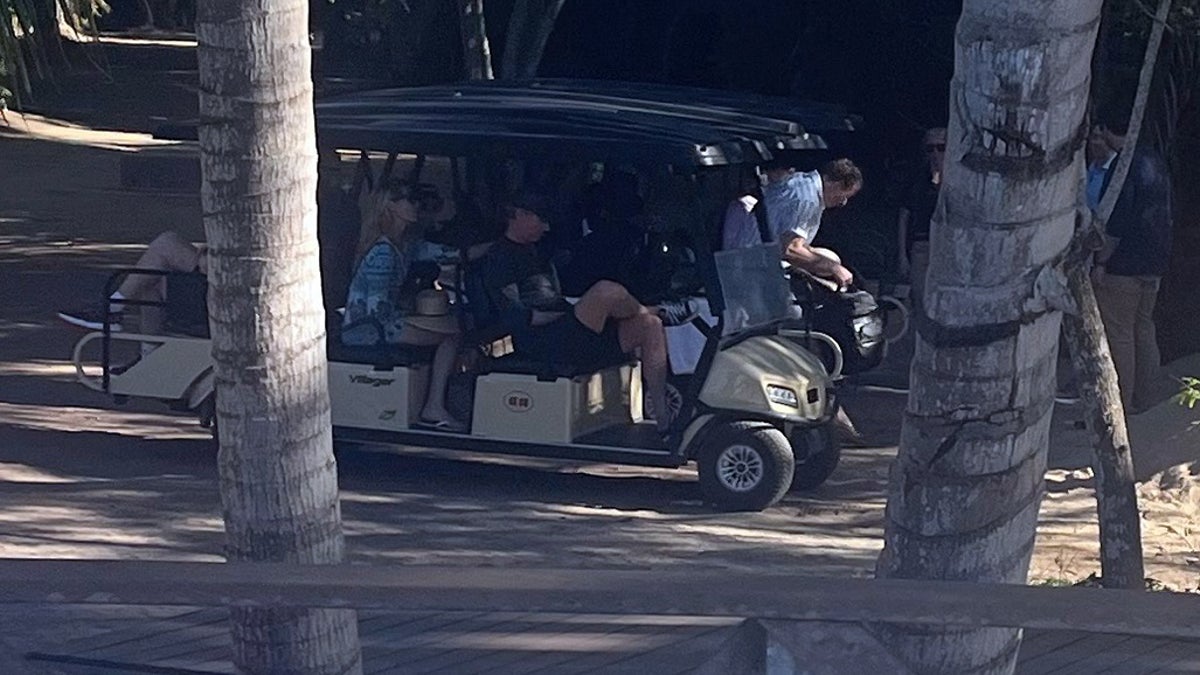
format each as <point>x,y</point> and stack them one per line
<point>745,466</point>
<point>821,460</point>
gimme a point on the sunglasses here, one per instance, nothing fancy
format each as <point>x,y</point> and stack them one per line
<point>932,147</point>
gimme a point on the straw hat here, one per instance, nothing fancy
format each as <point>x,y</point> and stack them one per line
<point>432,312</point>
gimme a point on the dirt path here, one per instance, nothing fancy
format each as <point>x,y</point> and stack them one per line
<point>80,477</point>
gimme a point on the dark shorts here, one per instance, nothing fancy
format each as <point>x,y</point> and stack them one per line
<point>567,341</point>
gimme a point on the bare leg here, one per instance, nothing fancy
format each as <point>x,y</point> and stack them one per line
<point>639,329</point>
<point>168,252</point>
<point>644,334</point>
<point>435,409</point>
<point>607,300</point>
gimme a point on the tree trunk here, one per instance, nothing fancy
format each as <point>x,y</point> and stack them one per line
<point>965,489</point>
<point>477,55</point>
<point>1121,561</point>
<point>1121,564</point>
<point>529,29</point>
<point>277,474</point>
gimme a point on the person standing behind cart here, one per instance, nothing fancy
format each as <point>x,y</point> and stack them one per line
<point>916,211</point>
<point>1128,270</point>
<point>374,311</point>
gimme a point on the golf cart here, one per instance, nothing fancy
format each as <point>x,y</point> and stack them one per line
<point>755,404</point>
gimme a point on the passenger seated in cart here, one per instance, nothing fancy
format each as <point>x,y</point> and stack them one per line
<point>375,311</point>
<point>605,326</point>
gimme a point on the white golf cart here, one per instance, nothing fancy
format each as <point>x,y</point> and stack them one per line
<point>754,411</point>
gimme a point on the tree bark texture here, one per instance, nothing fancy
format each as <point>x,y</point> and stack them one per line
<point>1121,560</point>
<point>278,478</point>
<point>965,489</point>
<point>477,55</point>
<point>529,29</point>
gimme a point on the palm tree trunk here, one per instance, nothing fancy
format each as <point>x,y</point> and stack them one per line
<point>477,54</point>
<point>965,489</point>
<point>1121,562</point>
<point>277,474</point>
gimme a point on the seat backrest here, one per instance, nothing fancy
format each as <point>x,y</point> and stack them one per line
<point>485,316</point>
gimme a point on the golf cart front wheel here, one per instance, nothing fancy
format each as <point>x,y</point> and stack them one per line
<point>745,466</point>
<point>823,452</point>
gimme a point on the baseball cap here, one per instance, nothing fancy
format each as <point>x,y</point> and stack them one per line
<point>534,202</point>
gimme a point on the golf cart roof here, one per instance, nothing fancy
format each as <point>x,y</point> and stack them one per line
<point>577,119</point>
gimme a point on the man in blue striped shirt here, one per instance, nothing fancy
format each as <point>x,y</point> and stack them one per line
<point>794,202</point>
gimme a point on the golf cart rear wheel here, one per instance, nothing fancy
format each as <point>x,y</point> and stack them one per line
<point>823,452</point>
<point>745,466</point>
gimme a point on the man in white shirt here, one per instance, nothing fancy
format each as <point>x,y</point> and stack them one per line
<point>794,202</point>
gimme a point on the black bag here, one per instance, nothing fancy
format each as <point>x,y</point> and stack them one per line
<point>853,318</point>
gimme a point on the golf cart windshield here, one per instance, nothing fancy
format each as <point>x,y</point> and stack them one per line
<point>753,290</point>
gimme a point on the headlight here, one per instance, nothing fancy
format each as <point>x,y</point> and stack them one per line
<point>782,396</point>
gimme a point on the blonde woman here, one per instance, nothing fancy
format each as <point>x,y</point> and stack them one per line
<point>373,313</point>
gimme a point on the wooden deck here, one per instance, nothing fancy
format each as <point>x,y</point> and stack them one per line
<point>187,641</point>
<point>91,617</point>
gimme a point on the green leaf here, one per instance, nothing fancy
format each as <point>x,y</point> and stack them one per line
<point>1189,393</point>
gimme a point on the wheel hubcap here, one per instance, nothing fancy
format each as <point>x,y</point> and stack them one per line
<point>740,468</point>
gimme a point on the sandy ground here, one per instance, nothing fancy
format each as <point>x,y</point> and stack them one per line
<point>82,477</point>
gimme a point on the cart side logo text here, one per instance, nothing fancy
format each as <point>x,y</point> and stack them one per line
<point>518,401</point>
<point>372,381</point>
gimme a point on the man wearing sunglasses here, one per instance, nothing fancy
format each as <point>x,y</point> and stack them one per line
<point>916,211</point>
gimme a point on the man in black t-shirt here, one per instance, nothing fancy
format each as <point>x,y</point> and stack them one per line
<point>916,211</point>
<point>606,325</point>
